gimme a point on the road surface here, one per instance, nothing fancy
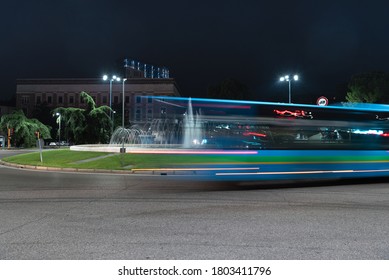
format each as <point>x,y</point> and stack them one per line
<point>57,215</point>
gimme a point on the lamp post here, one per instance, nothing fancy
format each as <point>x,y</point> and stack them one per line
<point>114,78</point>
<point>59,127</point>
<point>286,78</point>
<point>113,119</point>
<point>124,80</point>
<point>123,150</point>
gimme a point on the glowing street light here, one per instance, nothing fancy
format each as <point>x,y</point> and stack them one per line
<point>114,78</point>
<point>288,79</point>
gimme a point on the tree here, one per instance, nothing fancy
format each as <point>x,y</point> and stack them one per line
<point>90,125</point>
<point>371,87</point>
<point>24,128</point>
<point>229,89</point>
<point>43,113</point>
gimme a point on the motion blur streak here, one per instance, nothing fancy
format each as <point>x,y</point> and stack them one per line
<point>192,152</point>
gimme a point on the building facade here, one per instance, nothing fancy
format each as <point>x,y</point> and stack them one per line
<point>139,105</point>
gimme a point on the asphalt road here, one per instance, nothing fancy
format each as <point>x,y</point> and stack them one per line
<point>50,215</point>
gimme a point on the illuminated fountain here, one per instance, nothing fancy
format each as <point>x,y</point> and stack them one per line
<point>159,133</point>
<point>162,133</point>
<point>131,136</point>
<point>193,128</point>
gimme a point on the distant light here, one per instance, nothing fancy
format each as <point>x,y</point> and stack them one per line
<point>114,78</point>
<point>287,78</point>
<point>58,114</point>
<point>370,131</point>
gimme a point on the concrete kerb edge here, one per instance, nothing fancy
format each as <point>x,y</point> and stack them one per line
<point>45,168</point>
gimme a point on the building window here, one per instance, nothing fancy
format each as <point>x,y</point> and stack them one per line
<point>82,100</point>
<point>149,114</point>
<point>38,100</point>
<point>127,99</point>
<point>138,99</point>
<point>25,99</point>
<point>49,99</point>
<point>138,114</point>
<point>60,99</point>
<point>104,100</point>
<point>71,99</point>
<point>149,100</point>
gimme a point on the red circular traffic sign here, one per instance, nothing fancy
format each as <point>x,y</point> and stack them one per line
<point>322,101</point>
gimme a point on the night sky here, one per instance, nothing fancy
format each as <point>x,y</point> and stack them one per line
<point>201,42</point>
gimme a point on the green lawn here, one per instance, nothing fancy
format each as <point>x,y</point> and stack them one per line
<point>55,158</point>
<point>64,158</point>
<point>113,161</point>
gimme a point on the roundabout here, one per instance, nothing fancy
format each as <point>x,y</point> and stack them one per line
<point>62,215</point>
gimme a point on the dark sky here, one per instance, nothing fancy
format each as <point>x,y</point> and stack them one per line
<point>201,42</point>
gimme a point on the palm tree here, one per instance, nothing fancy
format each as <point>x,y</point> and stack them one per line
<point>24,128</point>
<point>90,125</point>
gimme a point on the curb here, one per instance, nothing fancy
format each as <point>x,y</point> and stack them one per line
<point>154,172</point>
<point>65,169</point>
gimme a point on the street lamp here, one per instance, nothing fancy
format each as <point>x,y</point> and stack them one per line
<point>59,127</point>
<point>286,78</point>
<point>123,150</point>
<point>124,80</point>
<point>113,119</point>
<point>114,78</point>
